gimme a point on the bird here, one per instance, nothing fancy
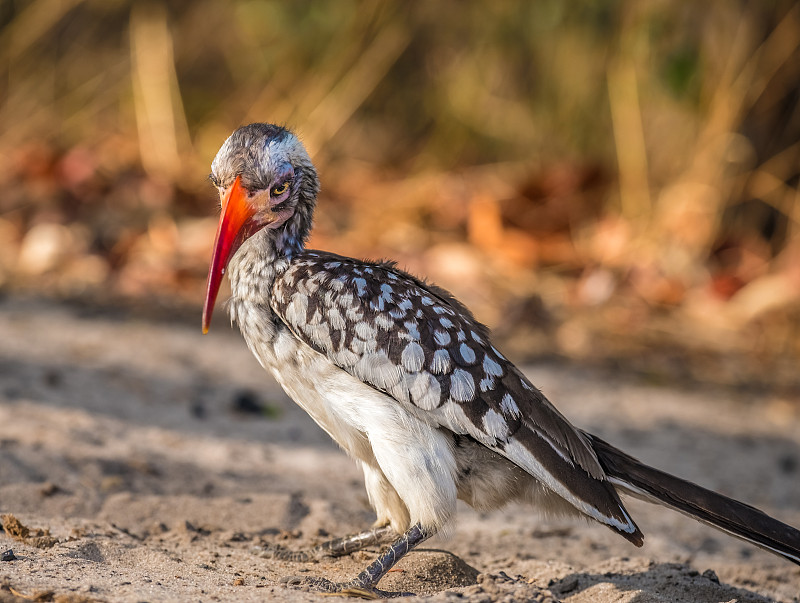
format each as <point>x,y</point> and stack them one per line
<point>404,378</point>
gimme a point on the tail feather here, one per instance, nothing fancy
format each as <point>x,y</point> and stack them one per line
<point>726,514</point>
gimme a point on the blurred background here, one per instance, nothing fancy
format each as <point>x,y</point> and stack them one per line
<point>611,182</point>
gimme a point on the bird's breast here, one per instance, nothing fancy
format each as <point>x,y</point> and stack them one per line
<point>333,398</point>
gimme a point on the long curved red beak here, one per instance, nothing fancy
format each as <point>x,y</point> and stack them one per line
<point>231,233</point>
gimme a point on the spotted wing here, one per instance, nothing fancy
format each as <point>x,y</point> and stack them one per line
<point>419,345</point>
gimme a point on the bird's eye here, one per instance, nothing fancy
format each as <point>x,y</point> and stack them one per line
<point>277,191</point>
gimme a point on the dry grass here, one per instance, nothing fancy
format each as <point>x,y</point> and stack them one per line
<point>613,179</point>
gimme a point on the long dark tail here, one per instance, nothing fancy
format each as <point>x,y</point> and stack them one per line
<point>726,514</point>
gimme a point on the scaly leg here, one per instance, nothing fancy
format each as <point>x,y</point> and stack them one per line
<point>387,559</point>
<point>338,547</point>
<point>369,578</point>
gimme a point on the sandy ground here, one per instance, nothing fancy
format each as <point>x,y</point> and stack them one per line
<point>150,463</point>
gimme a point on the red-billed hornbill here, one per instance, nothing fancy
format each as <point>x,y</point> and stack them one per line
<point>402,377</point>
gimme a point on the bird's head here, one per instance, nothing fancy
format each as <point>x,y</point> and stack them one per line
<point>265,181</point>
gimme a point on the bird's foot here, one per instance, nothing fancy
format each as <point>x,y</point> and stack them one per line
<point>338,547</point>
<point>353,588</point>
<point>364,585</point>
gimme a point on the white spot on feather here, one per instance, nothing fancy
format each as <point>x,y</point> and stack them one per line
<point>441,337</point>
<point>354,313</point>
<point>446,322</point>
<point>467,353</point>
<point>498,354</point>
<point>462,386</point>
<point>413,331</point>
<point>361,347</point>
<point>320,335</point>
<point>361,285</point>
<point>365,331</point>
<point>336,319</point>
<point>509,406</point>
<point>345,358</point>
<point>308,286</point>
<point>319,278</point>
<point>495,425</point>
<point>412,357</point>
<point>387,294</point>
<point>486,384</point>
<point>440,363</point>
<point>491,367</point>
<point>384,322</point>
<point>346,299</point>
<point>424,389</point>
<point>296,311</point>
<point>377,369</point>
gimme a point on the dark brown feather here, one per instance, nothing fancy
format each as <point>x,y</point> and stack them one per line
<point>727,514</point>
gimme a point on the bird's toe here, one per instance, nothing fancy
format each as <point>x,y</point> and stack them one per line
<point>346,589</point>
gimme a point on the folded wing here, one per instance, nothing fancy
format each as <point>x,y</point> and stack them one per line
<point>419,345</point>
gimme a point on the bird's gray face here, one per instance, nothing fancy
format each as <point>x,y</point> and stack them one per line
<point>259,172</point>
<point>263,158</point>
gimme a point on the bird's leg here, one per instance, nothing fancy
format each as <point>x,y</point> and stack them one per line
<point>369,578</point>
<point>387,559</point>
<point>338,547</point>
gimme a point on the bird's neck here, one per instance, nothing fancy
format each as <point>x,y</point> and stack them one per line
<point>260,260</point>
<point>269,252</point>
<point>267,255</point>
<point>252,272</point>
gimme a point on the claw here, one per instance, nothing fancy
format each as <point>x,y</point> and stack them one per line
<point>364,584</point>
<point>339,589</point>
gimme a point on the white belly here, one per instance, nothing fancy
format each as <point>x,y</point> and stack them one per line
<point>409,464</point>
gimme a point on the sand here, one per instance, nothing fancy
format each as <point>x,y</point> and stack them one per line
<point>141,461</point>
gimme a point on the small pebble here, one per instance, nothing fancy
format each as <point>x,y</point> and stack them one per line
<point>49,489</point>
<point>568,584</point>
<point>8,556</point>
